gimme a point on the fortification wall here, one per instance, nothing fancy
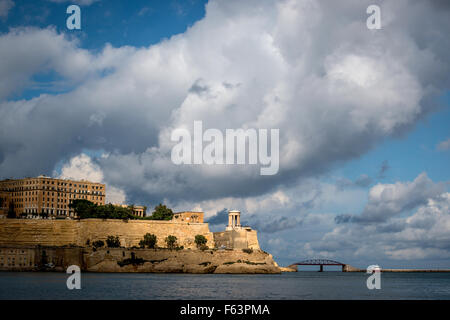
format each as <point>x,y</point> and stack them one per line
<point>223,238</point>
<point>252,240</point>
<point>29,232</point>
<point>237,239</point>
<point>131,232</point>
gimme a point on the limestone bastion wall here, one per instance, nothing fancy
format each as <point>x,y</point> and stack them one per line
<point>29,232</point>
<point>237,239</point>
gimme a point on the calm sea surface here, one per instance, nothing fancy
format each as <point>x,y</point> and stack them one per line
<point>300,285</point>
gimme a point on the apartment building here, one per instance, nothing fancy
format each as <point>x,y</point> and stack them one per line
<point>46,196</point>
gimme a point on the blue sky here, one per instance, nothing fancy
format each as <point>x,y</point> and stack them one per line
<point>410,154</point>
<point>135,23</point>
<point>96,103</point>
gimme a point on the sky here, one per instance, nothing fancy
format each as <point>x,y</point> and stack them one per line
<point>363,115</point>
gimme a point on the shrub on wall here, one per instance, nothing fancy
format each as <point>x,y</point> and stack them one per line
<point>113,242</point>
<point>149,241</point>
<point>200,241</point>
<point>98,243</point>
<point>171,242</point>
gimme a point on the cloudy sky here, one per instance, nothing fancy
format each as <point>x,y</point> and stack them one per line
<point>364,115</point>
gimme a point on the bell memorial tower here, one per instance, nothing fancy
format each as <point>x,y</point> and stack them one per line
<point>234,220</point>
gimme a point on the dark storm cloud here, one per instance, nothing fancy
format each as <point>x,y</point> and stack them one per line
<point>343,218</point>
<point>441,4</point>
<point>272,225</point>
<point>198,87</point>
<point>393,227</point>
<point>221,217</point>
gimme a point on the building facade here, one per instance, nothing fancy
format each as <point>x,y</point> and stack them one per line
<point>188,216</point>
<point>17,258</point>
<point>137,210</point>
<point>4,203</point>
<point>46,196</point>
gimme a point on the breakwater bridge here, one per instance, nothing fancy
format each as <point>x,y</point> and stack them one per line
<point>321,263</point>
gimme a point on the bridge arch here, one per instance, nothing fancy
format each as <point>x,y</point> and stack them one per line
<point>318,262</point>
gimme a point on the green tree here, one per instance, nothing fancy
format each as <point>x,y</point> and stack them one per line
<point>171,242</point>
<point>162,213</point>
<point>200,241</point>
<point>117,212</point>
<point>113,242</point>
<point>149,241</point>
<point>83,208</point>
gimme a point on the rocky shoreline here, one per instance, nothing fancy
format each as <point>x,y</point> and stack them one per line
<point>180,261</point>
<point>128,260</point>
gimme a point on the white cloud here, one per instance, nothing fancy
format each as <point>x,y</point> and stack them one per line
<point>51,51</point>
<point>424,234</point>
<point>419,238</point>
<point>82,167</point>
<point>312,69</point>
<point>388,200</point>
